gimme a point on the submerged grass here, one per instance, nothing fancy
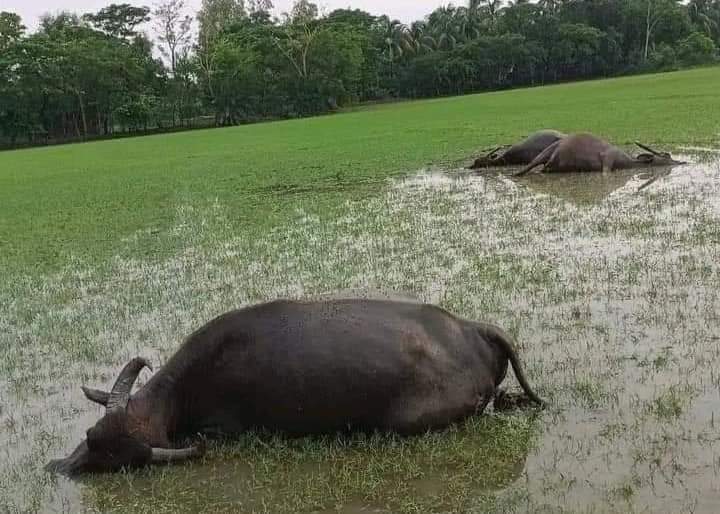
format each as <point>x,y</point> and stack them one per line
<point>616,329</point>
<point>447,471</point>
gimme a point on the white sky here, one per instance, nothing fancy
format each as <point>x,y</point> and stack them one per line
<point>404,10</point>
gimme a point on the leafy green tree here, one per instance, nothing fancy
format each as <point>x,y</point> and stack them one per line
<point>11,29</point>
<point>236,82</point>
<point>337,63</point>
<point>366,31</point>
<point>654,13</point>
<point>215,15</point>
<point>576,47</point>
<point>19,91</point>
<point>304,12</point>
<point>81,78</point>
<point>119,20</point>
<point>697,48</point>
<point>664,57</point>
<point>295,38</point>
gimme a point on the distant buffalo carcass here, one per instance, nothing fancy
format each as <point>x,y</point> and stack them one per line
<point>301,368</point>
<point>586,152</point>
<point>520,153</point>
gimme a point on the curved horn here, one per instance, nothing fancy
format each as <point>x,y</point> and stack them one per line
<point>164,455</point>
<point>493,151</point>
<point>647,148</point>
<point>486,159</point>
<point>96,395</point>
<point>120,393</point>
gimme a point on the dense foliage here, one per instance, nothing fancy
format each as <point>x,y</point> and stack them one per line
<point>76,78</point>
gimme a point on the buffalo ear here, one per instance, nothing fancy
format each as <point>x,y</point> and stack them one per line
<point>96,395</point>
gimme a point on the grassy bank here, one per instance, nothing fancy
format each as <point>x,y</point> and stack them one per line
<point>82,200</point>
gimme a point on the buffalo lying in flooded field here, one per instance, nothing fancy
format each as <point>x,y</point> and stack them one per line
<point>520,153</point>
<point>586,152</point>
<point>303,368</point>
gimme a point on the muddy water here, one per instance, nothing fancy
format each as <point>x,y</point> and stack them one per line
<point>609,282</point>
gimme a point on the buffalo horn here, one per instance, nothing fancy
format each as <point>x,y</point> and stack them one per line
<point>644,147</point>
<point>120,393</point>
<point>164,455</point>
<point>96,395</point>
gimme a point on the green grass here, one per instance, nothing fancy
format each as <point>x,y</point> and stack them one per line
<point>81,200</point>
<point>272,475</point>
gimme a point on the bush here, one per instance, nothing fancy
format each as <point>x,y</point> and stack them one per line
<point>696,49</point>
<point>663,58</point>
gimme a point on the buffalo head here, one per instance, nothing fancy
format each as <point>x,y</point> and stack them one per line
<point>116,442</point>
<point>655,158</point>
<point>492,158</point>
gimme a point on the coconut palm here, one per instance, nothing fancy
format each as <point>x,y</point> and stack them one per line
<point>482,10</point>
<point>397,40</point>
<point>447,27</point>
<point>443,27</point>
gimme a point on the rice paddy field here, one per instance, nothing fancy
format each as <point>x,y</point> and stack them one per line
<point>121,248</point>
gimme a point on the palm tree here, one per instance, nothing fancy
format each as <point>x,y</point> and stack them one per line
<point>421,40</point>
<point>450,26</point>
<point>443,28</point>
<point>469,23</point>
<point>396,40</point>
<point>489,9</point>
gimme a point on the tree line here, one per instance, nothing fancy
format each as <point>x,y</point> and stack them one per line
<point>98,75</point>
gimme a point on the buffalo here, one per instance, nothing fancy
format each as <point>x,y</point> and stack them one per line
<point>301,368</point>
<point>586,152</point>
<point>520,153</point>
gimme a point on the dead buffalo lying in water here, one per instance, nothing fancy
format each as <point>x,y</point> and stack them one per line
<point>520,153</point>
<point>302,368</point>
<point>585,152</point>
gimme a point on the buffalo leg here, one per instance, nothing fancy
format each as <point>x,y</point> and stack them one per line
<point>482,403</point>
<point>505,401</point>
<point>607,161</point>
<point>545,157</point>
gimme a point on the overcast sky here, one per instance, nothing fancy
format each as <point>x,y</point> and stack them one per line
<point>404,10</point>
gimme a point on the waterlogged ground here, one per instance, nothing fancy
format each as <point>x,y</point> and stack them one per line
<point>610,287</point>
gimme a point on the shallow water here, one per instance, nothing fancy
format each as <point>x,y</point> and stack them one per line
<point>610,287</point>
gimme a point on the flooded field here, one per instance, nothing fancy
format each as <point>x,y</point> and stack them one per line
<point>609,282</point>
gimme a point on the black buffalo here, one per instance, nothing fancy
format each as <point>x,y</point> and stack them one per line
<point>301,367</point>
<point>520,153</point>
<point>586,152</point>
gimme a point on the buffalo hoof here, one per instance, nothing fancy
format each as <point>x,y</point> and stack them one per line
<point>505,401</point>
